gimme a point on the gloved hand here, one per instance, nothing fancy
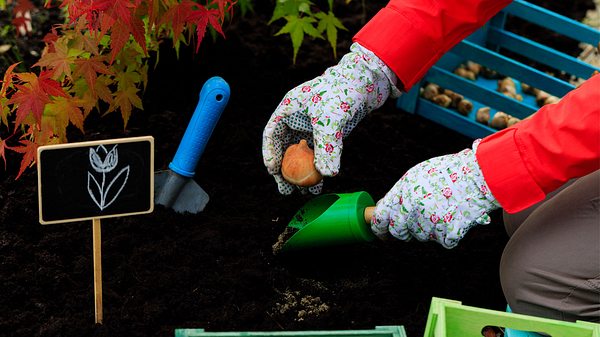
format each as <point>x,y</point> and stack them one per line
<point>439,199</point>
<point>324,110</point>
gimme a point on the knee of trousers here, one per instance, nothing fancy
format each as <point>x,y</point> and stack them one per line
<point>532,289</point>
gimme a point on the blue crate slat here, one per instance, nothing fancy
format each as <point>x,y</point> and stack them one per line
<point>512,68</point>
<point>452,120</point>
<point>477,92</point>
<point>553,21</point>
<point>540,53</point>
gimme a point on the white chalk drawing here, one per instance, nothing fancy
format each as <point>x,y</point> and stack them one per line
<point>99,191</point>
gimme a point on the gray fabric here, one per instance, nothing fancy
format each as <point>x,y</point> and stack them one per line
<point>551,264</point>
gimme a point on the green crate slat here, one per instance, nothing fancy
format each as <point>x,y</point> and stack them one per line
<point>448,318</point>
<point>380,331</point>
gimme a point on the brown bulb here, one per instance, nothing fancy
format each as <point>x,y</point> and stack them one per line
<point>512,121</point>
<point>483,115</point>
<point>464,107</point>
<point>298,167</point>
<point>499,121</point>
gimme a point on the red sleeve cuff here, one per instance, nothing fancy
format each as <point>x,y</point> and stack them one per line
<point>411,35</point>
<point>505,173</point>
<point>390,34</point>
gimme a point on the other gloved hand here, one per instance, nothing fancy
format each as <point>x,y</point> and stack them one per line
<point>324,110</point>
<point>439,199</point>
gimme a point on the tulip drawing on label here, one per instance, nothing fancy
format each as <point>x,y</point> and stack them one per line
<point>103,162</point>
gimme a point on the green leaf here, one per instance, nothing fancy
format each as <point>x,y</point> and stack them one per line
<point>285,8</point>
<point>245,6</point>
<point>330,23</point>
<point>297,27</point>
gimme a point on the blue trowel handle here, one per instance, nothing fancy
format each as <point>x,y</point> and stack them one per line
<point>213,99</point>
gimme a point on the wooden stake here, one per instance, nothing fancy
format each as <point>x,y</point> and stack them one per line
<point>97,245</point>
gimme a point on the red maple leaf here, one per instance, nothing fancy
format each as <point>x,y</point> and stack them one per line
<point>118,38</point>
<point>139,32</point>
<point>3,148</point>
<point>57,59</point>
<point>89,69</point>
<point>177,16</point>
<point>7,80</point>
<point>51,37</point>
<point>224,6</point>
<point>49,85</point>
<point>119,17</point>
<point>29,151</point>
<point>202,17</point>
<point>89,9</point>
<point>28,99</point>
<point>117,10</point>
<point>33,95</point>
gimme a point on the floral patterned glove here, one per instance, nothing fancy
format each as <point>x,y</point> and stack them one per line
<point>324,111</point>
<point>439,199</point>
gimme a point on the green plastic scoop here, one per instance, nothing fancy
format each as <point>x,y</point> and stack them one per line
<point>332,219</point>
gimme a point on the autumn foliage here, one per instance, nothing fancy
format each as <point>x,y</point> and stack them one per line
<point>96,61</point>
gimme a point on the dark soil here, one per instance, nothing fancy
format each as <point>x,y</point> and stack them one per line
<point>215,270</point>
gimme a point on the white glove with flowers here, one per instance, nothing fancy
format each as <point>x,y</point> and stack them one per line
<point>324,110</point>
<point>439,199</point>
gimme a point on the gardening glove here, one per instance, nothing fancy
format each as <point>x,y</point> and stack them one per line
<point>439,199</point>
<point>324,110</point>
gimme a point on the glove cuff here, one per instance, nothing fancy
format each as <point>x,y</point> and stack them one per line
<point>378,66</point>
<point>480,180</point>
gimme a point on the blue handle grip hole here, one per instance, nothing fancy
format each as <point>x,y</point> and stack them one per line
<point>219,97</point>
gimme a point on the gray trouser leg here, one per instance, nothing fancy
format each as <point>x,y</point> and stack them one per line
<point>551,264</point>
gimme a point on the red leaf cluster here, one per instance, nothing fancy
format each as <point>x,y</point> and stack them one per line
<point>188,13</point>
<point>78,68</point>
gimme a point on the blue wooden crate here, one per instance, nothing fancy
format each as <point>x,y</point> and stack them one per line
<point>481,47</point>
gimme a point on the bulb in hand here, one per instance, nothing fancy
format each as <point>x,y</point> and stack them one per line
<point>298,167</point>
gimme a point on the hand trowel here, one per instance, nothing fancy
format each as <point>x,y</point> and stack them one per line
<point>175,187</point>
<point>332,219</point>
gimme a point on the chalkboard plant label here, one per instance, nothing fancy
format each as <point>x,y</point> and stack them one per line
<point>97,179</point>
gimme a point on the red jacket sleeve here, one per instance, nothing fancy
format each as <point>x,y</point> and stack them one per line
<point>536,156</point>
<point>411,35</point>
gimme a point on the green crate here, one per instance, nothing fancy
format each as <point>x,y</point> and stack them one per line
<point>380,331</point>
<point>448,318</point>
